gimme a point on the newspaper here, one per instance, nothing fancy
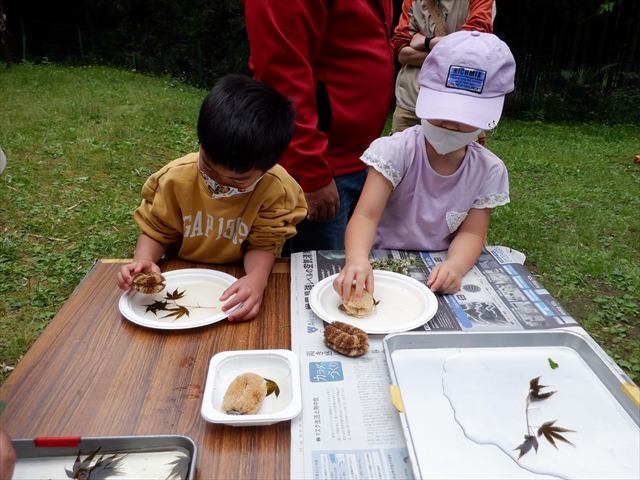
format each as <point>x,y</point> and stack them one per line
<point>349,427</point>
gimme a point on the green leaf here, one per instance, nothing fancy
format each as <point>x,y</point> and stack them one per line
<point>553,364</point>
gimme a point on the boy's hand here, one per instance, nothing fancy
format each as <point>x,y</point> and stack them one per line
<point>445,278</point>
<point>127,271</point>
<point>249,291</point>
<point>356,272</point>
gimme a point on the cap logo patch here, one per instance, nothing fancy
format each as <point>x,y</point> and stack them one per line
<point>465,78</point>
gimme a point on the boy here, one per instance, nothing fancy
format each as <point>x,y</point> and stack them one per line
<point>230,201</point>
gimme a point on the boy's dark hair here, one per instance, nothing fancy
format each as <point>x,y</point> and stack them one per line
<point>245,124</point>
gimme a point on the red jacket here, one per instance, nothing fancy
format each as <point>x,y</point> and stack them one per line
<point>480,19</point>
<point>338,51</point>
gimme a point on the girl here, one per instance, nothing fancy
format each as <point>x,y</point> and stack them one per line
<point>431,187</point>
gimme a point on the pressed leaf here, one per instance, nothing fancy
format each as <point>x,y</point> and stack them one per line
<point>534,390</point>
<point>534,385</point>
<point>272,387</point>
<point>74,468</point>
<point>81,468</point>
<point>106,467</point>
<point>525,447</point>
<point>177,312</point>
<point>536,397</point>
<point>552,433</point>
<point>155,306</point>
<point>84,464</point>
<point>175,295</point>
<point>180,468</point>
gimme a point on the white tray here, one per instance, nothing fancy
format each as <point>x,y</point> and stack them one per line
<point>281,366</point>
<point>462,398</point>
<point>138,457</point>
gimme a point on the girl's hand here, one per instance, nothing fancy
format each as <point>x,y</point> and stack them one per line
<point>356,272</point>
<point>445,278</point>
<point>127,271</point>
<point>249,291</point>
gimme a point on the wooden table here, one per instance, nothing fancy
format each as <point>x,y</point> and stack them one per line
<point>94,373</point>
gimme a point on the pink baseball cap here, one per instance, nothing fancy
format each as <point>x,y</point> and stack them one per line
<point>465,78</point>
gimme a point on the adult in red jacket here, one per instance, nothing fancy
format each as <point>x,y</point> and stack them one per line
<point>334,59</point>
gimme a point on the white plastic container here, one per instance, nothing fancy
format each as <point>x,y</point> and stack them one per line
<point>281,366</point>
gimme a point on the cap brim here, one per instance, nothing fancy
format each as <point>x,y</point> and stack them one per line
<point>479,112</point>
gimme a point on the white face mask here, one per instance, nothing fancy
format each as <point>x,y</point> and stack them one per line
<point>223,191</point>
<point>446,141</point>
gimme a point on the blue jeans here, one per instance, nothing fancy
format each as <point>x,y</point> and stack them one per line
<point>329,235</point>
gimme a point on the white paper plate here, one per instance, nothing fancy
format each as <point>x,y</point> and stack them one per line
<point>281,366</point>
<point>202,288</point>
<point>405,304</point>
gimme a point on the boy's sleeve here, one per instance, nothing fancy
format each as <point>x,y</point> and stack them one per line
<point>155,216</point>
<point>276,221</point>
<point>495,190</point>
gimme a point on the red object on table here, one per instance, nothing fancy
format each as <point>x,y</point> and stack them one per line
<point>44,442</point>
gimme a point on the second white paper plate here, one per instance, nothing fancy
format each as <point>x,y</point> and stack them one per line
<point>405,304</point>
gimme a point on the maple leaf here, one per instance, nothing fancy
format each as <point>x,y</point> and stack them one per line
<point>177,312</point>
<point>534,384</point>
<point>524,447</point>
<point>102,469</point>
<point>552,432</point>
<point>106,467</point>
<point>176,295</point>
<point>180,467</point>
<point>534,390</point>
<point>155,306</point>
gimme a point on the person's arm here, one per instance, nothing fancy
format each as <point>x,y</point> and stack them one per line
<point>480,16</point>
<point>7,454</point>
<point>401,36</point>
<point>410,56</point>
<point>416,53</point>
<point>463,252</point>
<point>249,289</point>
<point>361,232</point>
<point>148,252</point>
<point>411,49</point>
<point>285,37</point>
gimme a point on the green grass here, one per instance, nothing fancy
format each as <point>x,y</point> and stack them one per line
<point>575,203</point>
<point>80,142</point>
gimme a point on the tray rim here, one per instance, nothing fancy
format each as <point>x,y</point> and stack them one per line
<point>27,446</point>
<point>616,381</point>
